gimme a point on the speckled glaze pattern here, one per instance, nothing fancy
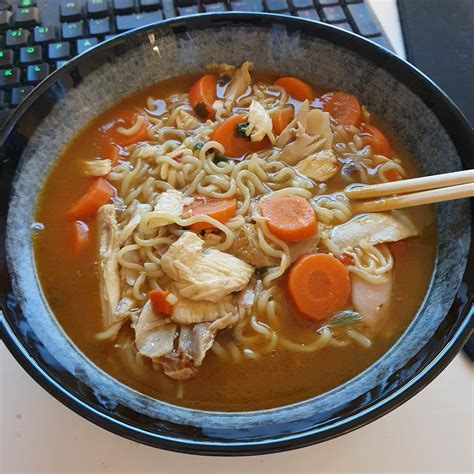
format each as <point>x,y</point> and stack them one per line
<point>166,53</point>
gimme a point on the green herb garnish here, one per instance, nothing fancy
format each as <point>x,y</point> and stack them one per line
<point>198,145</point>
<point>223,80</point>
<point>344,318</point>
<point>218,158</point>
<point>241,130</point>
<point>201,110</point>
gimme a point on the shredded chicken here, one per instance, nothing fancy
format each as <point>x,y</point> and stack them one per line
<point>186,311</point>
<point>374,228</point>
<point>238,84</point>
<point>320,166</point>
<point>246,247</point>
<point>244,302</point>
<point>97,167</point>
<point>200,274</point>
<point>109,270</point>
<point>308,133</point>
<point>170,202</point>
<point>154,335</point>
<point>371,300</point>
<point>260,123</point>
<point>186,121</point>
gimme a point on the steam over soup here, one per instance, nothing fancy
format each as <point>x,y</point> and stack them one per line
<point>198,245</point>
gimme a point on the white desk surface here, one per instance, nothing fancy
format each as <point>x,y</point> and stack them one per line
<point>431,433</point>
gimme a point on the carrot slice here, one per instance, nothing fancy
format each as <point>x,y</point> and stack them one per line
<point>202,95</point>
<point>234,145</point>
<point>297,88</point>
<point>219,209</point>
<point>98,194</point>
<point>159,302</point>
<point>282,117</point>
<point>318,285</point>
<point>80,236</point>
<point>344,108</point>
<point>290,218</point>
<point>393,175</point>
<point>127,120</point>
<point>376,139</point>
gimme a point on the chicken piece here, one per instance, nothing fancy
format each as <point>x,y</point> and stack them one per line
<point>303,247</point>
<point>109,271</point>
<point>177,368</point>
<point>238,84</point>
<point>375,228</point>
<point>260,123</point>
<point>186,311</point>
<point>97,167</point>
<point>373,301</point>
<point>289,132</point>
<point>199,274</point>
<point>303,146</point>
<point>154,336</point>
<point>186,121</point>
<point>320,166</point>
<point>169,204</point>
<point>246,247</point>
<point>137,213</point>
<point>319,123</point>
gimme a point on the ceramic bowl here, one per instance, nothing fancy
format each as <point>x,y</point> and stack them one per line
<point>433,130</point>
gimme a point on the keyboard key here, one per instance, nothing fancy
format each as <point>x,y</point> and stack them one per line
<point>96,8</point>
<point>5,19</point>
<point>3,100</point>
<point>363,19</point>
<point>214,8</point>
<point>328,2</point>
<point>9,78</point>
<point>72,30</point>
<point>246,6</point>
<point>85,44</point>
<point>19,93</point>
<point>123,6</point>
<point>276,5</point>
<point>150,5</point>
<point>31,54</point>
<point>70,10</point>
<point>59,51</point>
<point>4,5</point>
<point>129,22</point>
<point>37,73</point>
<point>17,38</point>
<point>311,14</point>
<point>192,10</point>
<point>27,17</point>
<point>44,34</point>
<point>344,26</point>
<point>109,37</point>
<point>60,64</point>
<point>300,4</point>
<point>6,57</point>
<point>99,26</point>
<point>334,14</point>
<point>26,3</point>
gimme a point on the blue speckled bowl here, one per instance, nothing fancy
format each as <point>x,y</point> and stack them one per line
<point>432,128</point>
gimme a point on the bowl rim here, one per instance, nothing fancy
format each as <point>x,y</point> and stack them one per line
<point>383,58</point>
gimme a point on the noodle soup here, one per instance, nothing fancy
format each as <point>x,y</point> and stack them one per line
<point>198,245</point>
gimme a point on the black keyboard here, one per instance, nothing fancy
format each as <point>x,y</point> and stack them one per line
<point>39,36</point>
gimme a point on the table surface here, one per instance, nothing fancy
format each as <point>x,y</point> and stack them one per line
<point>432,432</point>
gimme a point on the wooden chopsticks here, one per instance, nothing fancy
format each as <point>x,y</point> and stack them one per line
<point>412,192</point>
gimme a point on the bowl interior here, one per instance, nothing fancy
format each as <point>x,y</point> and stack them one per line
<point>95,82</point>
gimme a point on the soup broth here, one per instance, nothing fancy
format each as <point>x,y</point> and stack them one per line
<point>244,369</point>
